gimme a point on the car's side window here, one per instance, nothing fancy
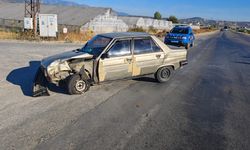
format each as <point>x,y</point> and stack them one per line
<point>120,48</point>
<point>190,31</point>
<point>146,45</point>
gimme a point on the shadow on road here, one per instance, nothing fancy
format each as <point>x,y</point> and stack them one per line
<point>146,79</point>
<point>24,77</point>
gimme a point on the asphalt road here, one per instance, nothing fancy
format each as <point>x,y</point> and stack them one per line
<point>205,105</point>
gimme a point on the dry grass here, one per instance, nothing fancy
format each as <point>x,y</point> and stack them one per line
<point>76,37</point>
<point>69,37</point>
<point>204,30</point>
<point>8,35</point>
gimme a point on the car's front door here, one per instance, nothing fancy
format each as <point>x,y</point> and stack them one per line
<point>147,56</point>
<point>117,61</point>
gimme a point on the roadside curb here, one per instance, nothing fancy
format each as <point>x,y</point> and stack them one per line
<point>242,33</point>
<point>40,42</point>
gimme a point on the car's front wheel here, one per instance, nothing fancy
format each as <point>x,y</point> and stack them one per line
<point>163,74</point>
<point>192,44</point>
<point>77,85</point>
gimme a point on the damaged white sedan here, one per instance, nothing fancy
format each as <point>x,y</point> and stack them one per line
<point>108,57</point>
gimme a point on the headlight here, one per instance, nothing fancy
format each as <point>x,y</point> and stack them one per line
<point>184,38</point>
<point>53,67</point>
<point>55,63</point>
<point>58,66</point>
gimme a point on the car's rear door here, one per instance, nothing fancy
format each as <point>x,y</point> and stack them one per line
<point>118,63</point>
<point>147,56</point>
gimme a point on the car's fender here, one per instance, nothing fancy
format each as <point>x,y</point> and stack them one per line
<point>174,57</point>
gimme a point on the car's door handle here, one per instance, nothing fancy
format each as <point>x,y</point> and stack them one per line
<point>158,56</point>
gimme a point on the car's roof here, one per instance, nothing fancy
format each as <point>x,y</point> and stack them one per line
<point>125,34</point>
<point>183,27</point>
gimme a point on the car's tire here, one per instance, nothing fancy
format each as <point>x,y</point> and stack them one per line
<point>192,44</point>
<point>163,74</point>
<point>77,85</point>
<point>187,46</point>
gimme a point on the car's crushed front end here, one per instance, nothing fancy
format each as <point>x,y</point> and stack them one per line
<point>57,68</point>
<point>40,83</point>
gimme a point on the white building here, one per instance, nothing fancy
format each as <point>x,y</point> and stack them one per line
<point>107,22</point>
<point>72,18</point>
<point>146,22</point>
<point>79,18</point>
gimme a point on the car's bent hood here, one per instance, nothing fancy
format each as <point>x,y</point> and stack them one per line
<point>65,56</point>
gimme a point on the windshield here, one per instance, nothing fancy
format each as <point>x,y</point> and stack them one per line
<point>180,30</point>
<point>96,45</point>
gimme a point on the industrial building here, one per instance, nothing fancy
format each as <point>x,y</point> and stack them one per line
<point>74,18</point>
<point>79,18</point>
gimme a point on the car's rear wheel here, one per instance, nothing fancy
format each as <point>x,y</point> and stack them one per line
<point>163,74</point>
<point>77,85</point>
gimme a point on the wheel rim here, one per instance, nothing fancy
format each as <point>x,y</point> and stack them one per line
<point>80,85</point>
<point>165,73</point>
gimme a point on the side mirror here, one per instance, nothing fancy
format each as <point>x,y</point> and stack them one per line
<point>105,55</point>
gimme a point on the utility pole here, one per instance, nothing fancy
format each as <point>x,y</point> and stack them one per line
<point>32,9</point>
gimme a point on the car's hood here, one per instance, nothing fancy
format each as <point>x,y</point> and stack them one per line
<point>65,56</point>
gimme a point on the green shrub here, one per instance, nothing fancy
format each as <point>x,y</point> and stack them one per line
<point>173,19</point>
<point>157,15</point>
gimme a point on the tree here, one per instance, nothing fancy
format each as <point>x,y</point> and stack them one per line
<point>157,15</point>
<point>173,19</point>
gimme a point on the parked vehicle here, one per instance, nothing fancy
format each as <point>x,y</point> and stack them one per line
<point>108,57</point>
<point>180,36</point>
<point>225,28</point>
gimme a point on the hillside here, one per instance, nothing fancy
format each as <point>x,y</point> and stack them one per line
<point>200,20</point>
<point>206,22</point>
<point>60,2</point>
<point>50,2</point>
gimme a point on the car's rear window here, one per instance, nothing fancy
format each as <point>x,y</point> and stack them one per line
<point>145,46</point>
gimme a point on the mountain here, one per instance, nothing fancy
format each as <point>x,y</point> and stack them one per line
<point>122,14</point>
<point>198,20</point>
<point>49,2</point>
<point>62,2</point>
<point>209,22</point>
<point>12,1</point>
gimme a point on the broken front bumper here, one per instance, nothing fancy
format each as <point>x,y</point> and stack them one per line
<point>40,84</point>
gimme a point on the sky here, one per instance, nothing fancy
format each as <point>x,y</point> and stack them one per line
<point>231,10</point>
